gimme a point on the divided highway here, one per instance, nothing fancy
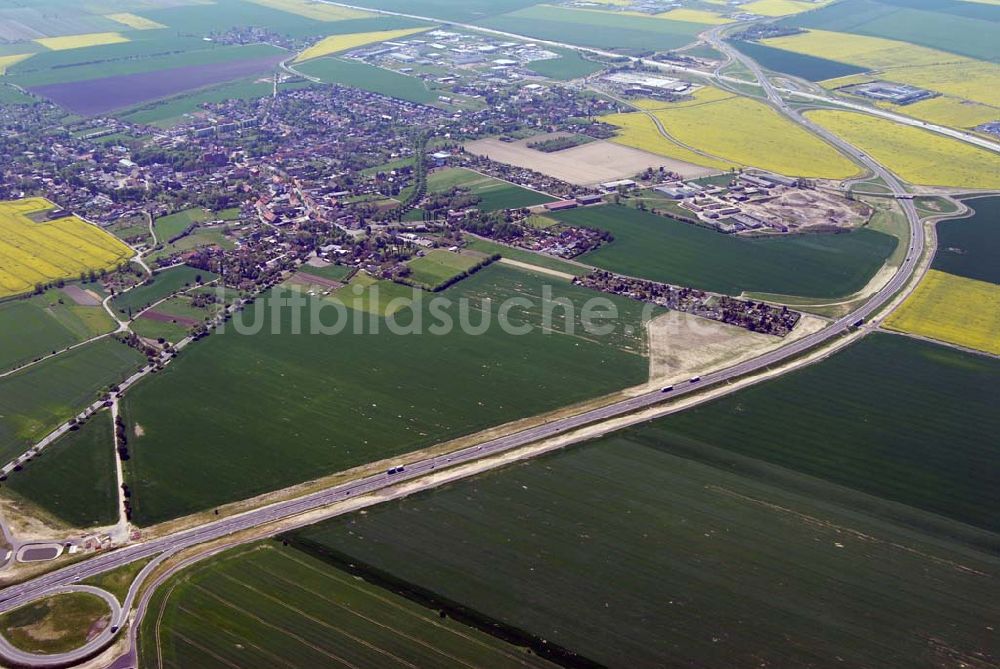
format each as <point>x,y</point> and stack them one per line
<point>59,580</point>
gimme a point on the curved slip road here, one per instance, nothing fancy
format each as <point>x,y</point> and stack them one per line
<point>17,595</point>
<point>95,645</point>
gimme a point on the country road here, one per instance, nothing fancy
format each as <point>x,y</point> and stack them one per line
<point>56,581</point>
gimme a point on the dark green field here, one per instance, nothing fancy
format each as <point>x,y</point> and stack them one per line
<point>971,246</point>
<point>663,249</point>
<point>604,30</point>
<point>42,324</point>
<point>570,65</point>
<point>869,420</point>
<point>796,64</point>
<point>251,606</point>
<point>237,415</point>
<point>633,553</point>
<point>369,78</point>
<point>964,28</point>
<point>74,479</point>
<point>163,284</point>
<point>36,400</point>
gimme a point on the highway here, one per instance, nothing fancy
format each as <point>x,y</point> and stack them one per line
<point>55,581</point>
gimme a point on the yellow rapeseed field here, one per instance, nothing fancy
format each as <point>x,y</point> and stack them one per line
<point>134,21</point>
<point>639,131</point>
<point>694,16</point>
<point>952,309</point>
<point>949,111</point>
<point>317,11</point>
<point>733,132</point>
<point>80,41</point>
<point>906,63</point>
<point>7,61</point>
<point>781,7</point>
<point>32,253</point>
<point>338,43</point>
<point>915,155</point>
<point>861,50</point>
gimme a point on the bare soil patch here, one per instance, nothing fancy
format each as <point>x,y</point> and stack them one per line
<point>586,165</point>
<point>309,280</point>
<point>84,298</point>
<point>682,345</point>
<point>802,209</point>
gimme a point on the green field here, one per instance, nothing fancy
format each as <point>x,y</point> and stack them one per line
<point>630,551</point>
<point>162,284</point>
<point>521,255</point>
<point>570,65</point>
<point>11,96</point>
<point>796,64</point>
<point>250,606</point>
<point>170,331</point>
<point>55,624</point>
<point>310,405</point>
<point>168,112</point>
<point>867,420</point>
<point>600,29</point>
<point>369,78</point>
<point>167,227</point>
<point>372,296</point>
<point>202,237</point>
<point>495,193</point>
<point>663,249</point>
<point>438,267</point>
<point>74,478</point>
<point>43,324</point>
<point>117,581</point>
<point>970,247</point>
<point>962,28</point>
<point>38,399</point>
<point>77,65</point>
<point>334,272</point>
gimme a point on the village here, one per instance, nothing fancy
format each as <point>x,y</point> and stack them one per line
<point>338,176</point>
